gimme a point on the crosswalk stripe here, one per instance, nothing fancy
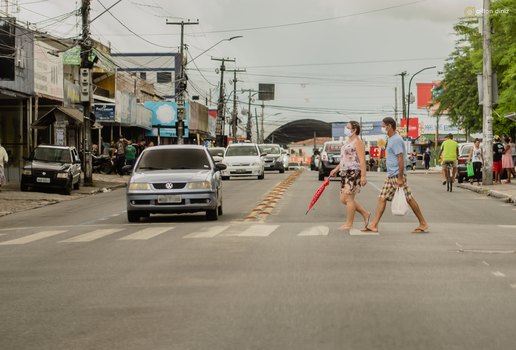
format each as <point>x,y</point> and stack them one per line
<point>315,231</point>
<point>91,236</point>
<point>356,232</point>
<point>146,233</point>
<point>33,237</point>
<point>209,233</point>
<point>258,231</point>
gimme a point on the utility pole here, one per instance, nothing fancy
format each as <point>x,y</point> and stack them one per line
<point>262,131</point>
<point>403,106</point>
<point>234,117</point>
<point>248,129</point>
<point>86,91</point>
<point>487,127</point>
<point>256,121</point>
<point>181,87</point>
<point>220,126</point>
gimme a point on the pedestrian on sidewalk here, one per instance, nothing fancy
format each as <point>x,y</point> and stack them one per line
<point>476,156</point>
<point>507,162</point>
<point>426,158</point>
<point>396,154</point>
<point>120,155</point>
<point>130,153</point>
<point>4,158</point>
<point>413,160</point>
<point>352,169</point>
<point>498,149</point>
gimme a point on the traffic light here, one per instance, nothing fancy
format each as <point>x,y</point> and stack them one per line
<point>85,83</point>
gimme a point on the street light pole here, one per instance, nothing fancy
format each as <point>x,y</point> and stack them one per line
<point>219,130</point>
<point>408,97</point>
<point>211,47</point>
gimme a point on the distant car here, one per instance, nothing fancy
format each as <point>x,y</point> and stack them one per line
<point>243,159</point>
<point>52,167</point>
<point>176,179</point>
<point>464,148</point>
<point>274,157</point>
<point>217,153</point>
<point>330,157</point>
<point>294,166</point>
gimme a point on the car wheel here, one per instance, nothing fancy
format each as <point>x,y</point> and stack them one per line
<point>68,188</point>
<point>105,168</point>
<point>282,170</point>
<point>133,216</point>
<point>262,176</point>
<point>24,187</point>
<point>220,210</point>
<point>78,184</point>
<point>321,176</point>
<point>212,214</point>
<point>224,178</point>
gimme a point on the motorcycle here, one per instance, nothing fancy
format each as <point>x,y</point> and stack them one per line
<point>102,164</point>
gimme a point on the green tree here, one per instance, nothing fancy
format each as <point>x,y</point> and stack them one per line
<point>460,96</point>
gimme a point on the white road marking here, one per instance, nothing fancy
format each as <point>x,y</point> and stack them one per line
<point>507,226</point>
<point>3,234</point>
<point>498,274</point>
<point>209,233</point>
<point>91,236</point>
<point>32,238</point>
<point>485,263</point>
<point>258,231</point>
<point>315,231</point>
<point>357,232</point>
<point>513,285</point>
<point>458,244</point>
<point>146,233</point>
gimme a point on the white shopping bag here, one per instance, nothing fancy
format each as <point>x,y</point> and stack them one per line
<point>399,204</point>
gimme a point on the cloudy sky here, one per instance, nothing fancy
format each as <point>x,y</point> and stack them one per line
<point>332,60</point>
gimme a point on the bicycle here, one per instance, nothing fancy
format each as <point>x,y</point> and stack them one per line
<point>449,180</point>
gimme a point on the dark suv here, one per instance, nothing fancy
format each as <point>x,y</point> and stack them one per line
<point>53,167</point>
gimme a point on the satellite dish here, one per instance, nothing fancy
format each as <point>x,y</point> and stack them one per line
<point>217,70</point>
<point>244,111</point>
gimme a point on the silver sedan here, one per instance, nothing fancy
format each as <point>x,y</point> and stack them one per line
<point>175,179</point>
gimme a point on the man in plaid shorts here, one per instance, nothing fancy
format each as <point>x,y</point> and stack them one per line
<point>396,177</point>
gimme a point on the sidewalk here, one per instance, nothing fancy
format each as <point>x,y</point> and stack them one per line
<point>504,191</point>
<point>13,200</point>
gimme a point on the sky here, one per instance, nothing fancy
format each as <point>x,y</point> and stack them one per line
<point>333,60</point>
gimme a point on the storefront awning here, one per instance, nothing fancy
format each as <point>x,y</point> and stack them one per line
<point>54,114</point>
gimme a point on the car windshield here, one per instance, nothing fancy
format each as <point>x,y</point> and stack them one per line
<point>55,155</point>
<point>333,147</point>
<point>165,159</point>
<point>270,149</point>
<point>241,151</point>
<point>465,150</point>
<point>216,152</point>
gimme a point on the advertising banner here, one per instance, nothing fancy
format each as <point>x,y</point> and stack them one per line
<point>105,113</point>
<point>48,72</point>
<point>164,117</point>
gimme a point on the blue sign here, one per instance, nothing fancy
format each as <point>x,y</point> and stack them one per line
<point>367,129</point>
<point>164,117</point>
<point>105,113</point>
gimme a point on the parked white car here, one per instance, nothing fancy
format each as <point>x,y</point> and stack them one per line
<point>243,159</point>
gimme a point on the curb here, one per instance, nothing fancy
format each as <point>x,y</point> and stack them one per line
<point>490,193</point>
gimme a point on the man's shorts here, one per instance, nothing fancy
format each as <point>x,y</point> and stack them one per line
<point>455,163</point>
<point>391,185</point>
<point>497,166</point>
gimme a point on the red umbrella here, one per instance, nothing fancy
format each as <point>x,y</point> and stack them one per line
<point>318,193</point>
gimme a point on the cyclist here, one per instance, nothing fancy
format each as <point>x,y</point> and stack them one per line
<point>449,154</point>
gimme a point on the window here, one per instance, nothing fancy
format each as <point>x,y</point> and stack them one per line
<point>174,159</point>
<point>163,77</point>
<point>241,151</point>
<point>270,149</point>
<point>143,75</point>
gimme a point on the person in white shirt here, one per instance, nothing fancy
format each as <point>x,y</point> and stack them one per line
<point>4,158</point>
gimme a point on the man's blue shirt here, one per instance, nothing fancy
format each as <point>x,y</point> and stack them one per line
<point>395,146</point>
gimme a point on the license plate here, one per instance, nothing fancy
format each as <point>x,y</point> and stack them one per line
<point>240,171</point>
<point>169,198</point>
<point>44,180</point>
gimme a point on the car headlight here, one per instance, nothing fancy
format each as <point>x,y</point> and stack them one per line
<point>139,186</point>
<point>202,185</point>
<point>27,172</point>
<point>256,164</point>
<point>62,175</point>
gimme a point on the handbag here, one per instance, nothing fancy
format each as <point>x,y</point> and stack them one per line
<point>399,206</point>
<point>469,169</point>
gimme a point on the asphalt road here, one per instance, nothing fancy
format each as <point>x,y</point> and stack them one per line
<point>76,275</point>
